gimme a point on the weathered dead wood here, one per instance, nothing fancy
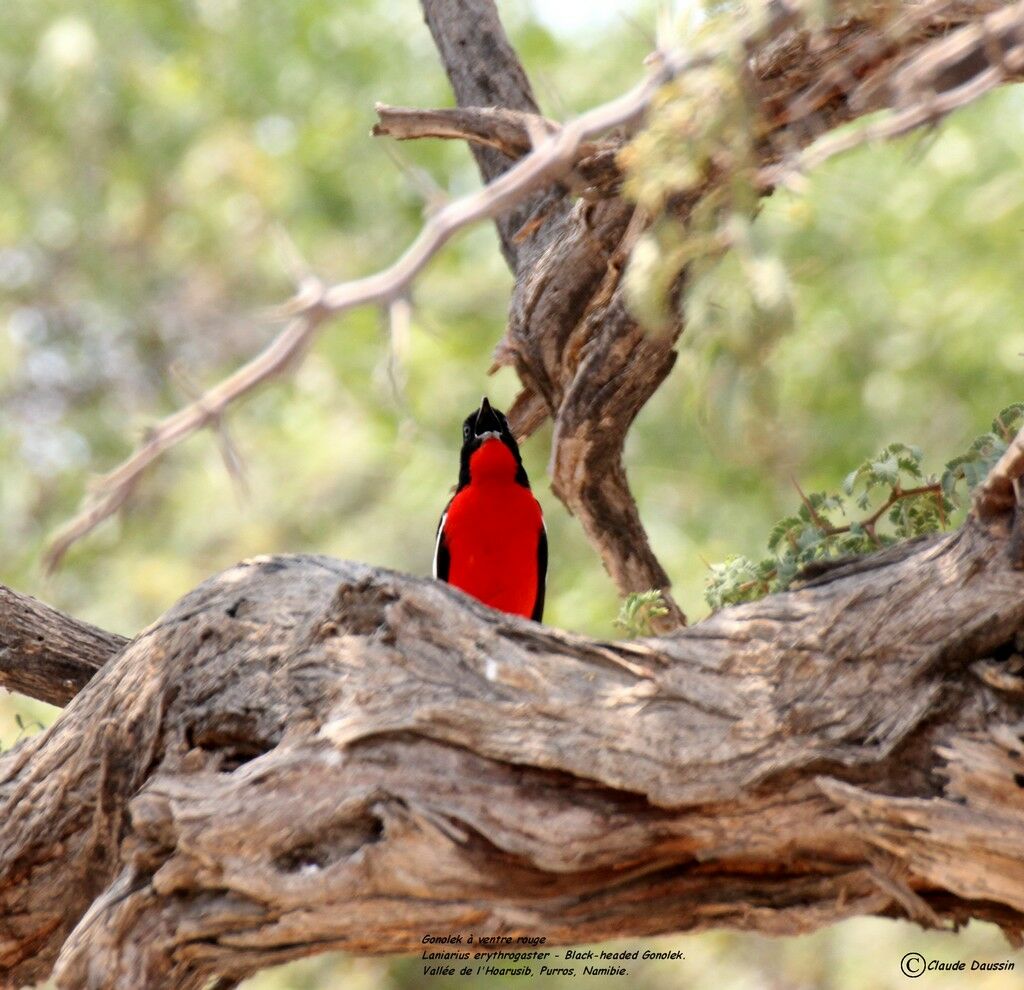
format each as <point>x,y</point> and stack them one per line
<point>511,132</point>
<point>484,71</point>
<point>305,754</point>
<point>46,654</point>
<point>932,59</point>
<point>514,133</point>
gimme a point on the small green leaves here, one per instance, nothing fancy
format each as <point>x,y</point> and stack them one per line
<point>895,465</point>
<point>972,467</point>
<point>740,579</point>
<point>901,502</point>
<point>638,612</point>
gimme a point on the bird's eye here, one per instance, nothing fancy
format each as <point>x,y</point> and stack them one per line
<point>466,433</point>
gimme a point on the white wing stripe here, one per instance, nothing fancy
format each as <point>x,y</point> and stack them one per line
<point>437,542</point>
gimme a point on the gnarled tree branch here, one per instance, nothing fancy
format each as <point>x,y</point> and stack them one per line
<point>305,755</point>
<point>582,350</point>
<point>571,337</point>
<point>315,302</point>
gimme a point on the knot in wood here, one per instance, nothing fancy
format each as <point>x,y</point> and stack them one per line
<point>358,609</point>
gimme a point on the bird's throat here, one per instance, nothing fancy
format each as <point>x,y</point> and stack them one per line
<point>492,462</point>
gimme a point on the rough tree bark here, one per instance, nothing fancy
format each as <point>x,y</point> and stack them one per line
<point>560,264</point>
<point>46,654</point>
<point>305,754</point>
<point>484,71</point>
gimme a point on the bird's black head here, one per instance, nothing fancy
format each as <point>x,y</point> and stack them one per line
<point>480,426</point>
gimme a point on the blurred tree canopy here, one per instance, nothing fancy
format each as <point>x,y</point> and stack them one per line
<point>152,153</point>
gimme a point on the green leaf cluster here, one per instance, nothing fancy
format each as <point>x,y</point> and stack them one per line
<point>638,612</point>
<point>972,466</point>
<point>899,500</point>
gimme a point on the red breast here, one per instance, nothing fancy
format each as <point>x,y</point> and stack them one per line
<point>491,529</point>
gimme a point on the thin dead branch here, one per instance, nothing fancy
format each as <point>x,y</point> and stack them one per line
<point>510,131</point>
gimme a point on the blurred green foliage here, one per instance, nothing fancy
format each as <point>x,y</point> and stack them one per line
<point>152,150</point>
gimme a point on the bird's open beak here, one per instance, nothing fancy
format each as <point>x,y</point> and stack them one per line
<point>486,420</point>
<point>483,414</point>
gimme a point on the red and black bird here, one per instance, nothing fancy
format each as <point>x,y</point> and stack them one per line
<point>491,541</point>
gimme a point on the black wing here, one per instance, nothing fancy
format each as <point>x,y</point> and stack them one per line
<point>542,573</point>
<point>442,559</point>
